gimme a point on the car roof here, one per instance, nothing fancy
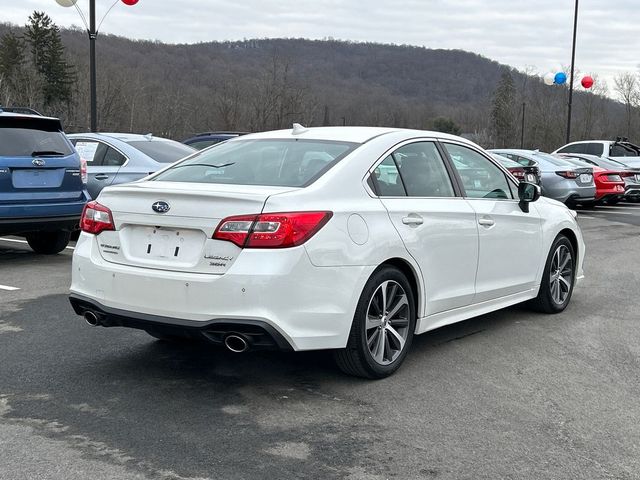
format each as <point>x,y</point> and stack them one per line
<point>346,134</point>
<point>124,137</point>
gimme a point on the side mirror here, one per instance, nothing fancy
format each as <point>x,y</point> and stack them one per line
<point>527,193</point>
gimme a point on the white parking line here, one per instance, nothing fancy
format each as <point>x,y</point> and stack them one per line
<point>7,287</point>
<point>611,212</point>
<point>15,240</point>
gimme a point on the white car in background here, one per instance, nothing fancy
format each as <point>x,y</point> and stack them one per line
<point>345,238</point>
<point>620,150</point>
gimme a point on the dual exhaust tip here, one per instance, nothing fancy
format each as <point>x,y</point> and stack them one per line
<point>234,342</point>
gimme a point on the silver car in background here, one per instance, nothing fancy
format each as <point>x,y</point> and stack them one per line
<point>560,180</point>
<point>630,175</point>
<point>114,158</point>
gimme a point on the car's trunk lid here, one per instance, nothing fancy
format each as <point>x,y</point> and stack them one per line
<point>179,239</point>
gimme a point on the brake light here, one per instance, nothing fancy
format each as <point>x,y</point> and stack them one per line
<point>518,173</point>
<point>271,230</point>
<point>83,171</point>
<point>567,174</point>
<point>613,178</point>
<point>96,218</point>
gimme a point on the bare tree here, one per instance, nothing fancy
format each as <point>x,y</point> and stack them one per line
<point>627,87</point>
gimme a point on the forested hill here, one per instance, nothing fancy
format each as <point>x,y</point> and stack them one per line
<point>251,85</point>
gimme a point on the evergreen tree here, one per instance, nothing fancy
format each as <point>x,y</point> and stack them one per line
<point>503,112</point>
<point>47,56</point>
<point>446,125</point>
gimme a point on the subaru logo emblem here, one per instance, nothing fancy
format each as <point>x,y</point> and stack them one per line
<point>38,162</point>
<point>161,207</point>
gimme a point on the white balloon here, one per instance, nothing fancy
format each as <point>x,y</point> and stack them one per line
<point>66,3</point>
<point>550,78</point>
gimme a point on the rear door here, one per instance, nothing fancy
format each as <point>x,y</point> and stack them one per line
<point>510,240</point>
<point>437,227</point>
<point>103,163</point>
<point>37,165</point>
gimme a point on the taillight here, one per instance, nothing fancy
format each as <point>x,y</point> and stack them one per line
<point>567,174</point>
<point>613,178</point>
<point>83,171</point>
<point>271,230</point>
<point>518,173</point>
<point>96,218</point>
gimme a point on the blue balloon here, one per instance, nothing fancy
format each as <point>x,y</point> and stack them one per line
<point>560,78</point>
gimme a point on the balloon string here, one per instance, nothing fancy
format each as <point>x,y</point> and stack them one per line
<point>82,17</point>
<point>105,15</point>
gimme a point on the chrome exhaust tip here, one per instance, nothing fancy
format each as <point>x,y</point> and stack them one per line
<point>236,343</point>
<point>91,318</point>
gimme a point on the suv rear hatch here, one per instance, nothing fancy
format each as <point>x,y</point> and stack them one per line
<point>38,165</point>
<point>180,239</point>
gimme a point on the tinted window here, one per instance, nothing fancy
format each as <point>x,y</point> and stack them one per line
<point>113,158</point>
<point>162,151</point>
<point>422,170</point>
<point>622,151</point>
<point>276,162</point>
<point>23,142</point>
<point>387,179</point>
<point>575,148</point>
<point>594,149</point>
<point>480,177</point>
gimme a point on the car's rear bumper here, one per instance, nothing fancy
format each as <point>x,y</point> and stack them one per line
<point>310,307</point>
<point>17,226</point>
<point>259,334</point>
<point>632,191</point>
<point>602,194</point>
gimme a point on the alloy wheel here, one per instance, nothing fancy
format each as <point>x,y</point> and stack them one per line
<point>387,325</point>
<point>561,274</point>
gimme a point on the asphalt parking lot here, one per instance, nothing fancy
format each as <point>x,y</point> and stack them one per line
<point>510,395</point>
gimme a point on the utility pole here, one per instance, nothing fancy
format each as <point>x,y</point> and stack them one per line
<point>522,128</point>
<point>92,45</point>
<point>573,58</point>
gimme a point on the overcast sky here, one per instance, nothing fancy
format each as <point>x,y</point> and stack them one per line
<point>518,33</point>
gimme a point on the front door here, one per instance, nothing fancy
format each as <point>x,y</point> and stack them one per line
<point>510,239</point>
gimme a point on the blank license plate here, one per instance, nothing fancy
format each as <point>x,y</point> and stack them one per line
<point>531,178</point>
<point>585,178</point>
<point>164,243</point>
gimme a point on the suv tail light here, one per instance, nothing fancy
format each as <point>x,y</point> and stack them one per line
<point>568,174</point>
<point>83,171</point>
<point>271,230</point>
<point>96,218</point>
<point>518,173</point>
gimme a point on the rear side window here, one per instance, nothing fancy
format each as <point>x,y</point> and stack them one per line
<point>594,149</point>
<point>25,142</point>
<point>162,151</point>
<point>274,162</point>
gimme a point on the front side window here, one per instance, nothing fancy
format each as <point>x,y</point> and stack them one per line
<point>575,148</point>
<point>273,162</point>
<point>480,177</point>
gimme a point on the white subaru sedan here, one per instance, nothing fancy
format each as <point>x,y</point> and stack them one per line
<point>352,239</point>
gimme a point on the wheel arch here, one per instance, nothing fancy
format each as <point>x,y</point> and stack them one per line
<point>573,239</point>
<point>412,276</point>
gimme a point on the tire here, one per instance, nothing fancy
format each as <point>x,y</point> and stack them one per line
<point>48,243</point>
<point>391,338</point>
<point>556,287</point>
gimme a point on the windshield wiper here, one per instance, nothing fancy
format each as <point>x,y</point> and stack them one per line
<point>204,165</point>
<point>47,153</point>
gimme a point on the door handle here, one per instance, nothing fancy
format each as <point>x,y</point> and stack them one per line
<point>413,220</point>
<point>101,176</point>
<point>486,222</point>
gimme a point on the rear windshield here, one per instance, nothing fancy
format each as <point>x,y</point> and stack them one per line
<point>162,151</point>
<point>274,162</point>
<point>26,142</point>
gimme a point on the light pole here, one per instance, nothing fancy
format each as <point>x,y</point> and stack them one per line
<point>92,30</point>
<point>573,58</point>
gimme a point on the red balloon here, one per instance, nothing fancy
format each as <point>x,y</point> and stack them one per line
<point>587,81</point>
<point>130,2</point>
